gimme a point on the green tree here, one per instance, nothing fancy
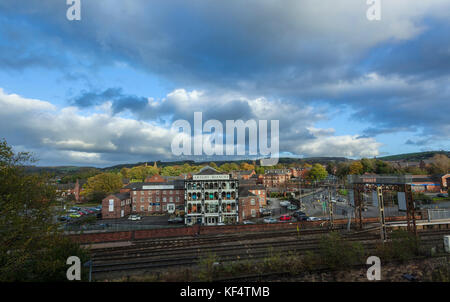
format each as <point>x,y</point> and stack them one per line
<point>102,185</point>
<point>368,165</point>
<point>31,246</point>
<point>317,173</point>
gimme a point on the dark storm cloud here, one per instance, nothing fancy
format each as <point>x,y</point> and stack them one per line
<point>393,74</point>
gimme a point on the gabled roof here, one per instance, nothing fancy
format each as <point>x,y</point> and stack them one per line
<point>208,171</point>
<point>122,196</point>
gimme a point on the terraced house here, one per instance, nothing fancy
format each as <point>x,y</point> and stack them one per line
<point>211,198</point>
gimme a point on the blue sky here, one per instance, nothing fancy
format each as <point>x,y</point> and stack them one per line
<point>106,89</point>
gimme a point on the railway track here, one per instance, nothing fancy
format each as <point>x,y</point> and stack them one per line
<point>150,257</point>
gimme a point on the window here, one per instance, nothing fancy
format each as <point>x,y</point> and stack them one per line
<point>142,208</point>
<point>134,208</point>
<point>134,192</point>
<point>252,201</point>
<point>157,199</point>
<point>157,208</point>
<point>142,199</point>
<point>171,199</point>
<point>150,208</point>
<point>253,213</point>
<point>164,199</point>
<point>164,208</point>
<point>111,205</point>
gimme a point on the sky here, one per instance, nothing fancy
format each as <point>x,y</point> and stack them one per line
<point>107,89</point>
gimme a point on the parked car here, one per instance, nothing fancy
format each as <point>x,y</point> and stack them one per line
<point>88,211</point>
<point>442,195</point>
<point>298,213</point>
<point>75,208</point>
<point>285,203</point>
<point>74,215</point>
<point>292,207</point>
<point>270,220</point>
<point>265,212</point>
<point>220,223</point>
<point>175,220</point>
<point>314,219</point>
<point>285,218</point>
<point>302,218</point>
<point>63,218</point>
<point>248,222</point>
<point>134,217</point>
<point>81,213</point>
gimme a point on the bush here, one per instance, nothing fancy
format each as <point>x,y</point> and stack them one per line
<point>336,253</point>
<point>402,246</point>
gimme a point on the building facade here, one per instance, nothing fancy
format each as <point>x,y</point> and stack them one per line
<point>211,198</point>
<point>248,205</point>
<point>157,197</point>
<point>116,206</point>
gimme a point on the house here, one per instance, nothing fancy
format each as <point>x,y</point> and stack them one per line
<point>116,206</point>
<point>248,205</point>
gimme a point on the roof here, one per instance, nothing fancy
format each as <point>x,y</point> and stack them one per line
<point>122,196</point>
<point>208,171</point>
<point>246,193</point>
<point>251,187</point>
<point>177,183</point>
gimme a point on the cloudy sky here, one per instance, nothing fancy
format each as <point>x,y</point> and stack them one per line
<point>106,89</point>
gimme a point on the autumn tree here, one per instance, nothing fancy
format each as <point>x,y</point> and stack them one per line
<point>101,185</point>
<point>440,165</point>
<point>32,248</point>
<point>356,168</point>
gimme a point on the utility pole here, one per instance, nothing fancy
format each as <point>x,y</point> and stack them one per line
<point>330,204</point>
<point>382,216</point>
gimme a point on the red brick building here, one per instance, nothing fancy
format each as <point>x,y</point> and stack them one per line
<point>116,206</point>
<point>274,180</point>
<point>248,205</point>
<point>257,190</point>
<point>158,196</point>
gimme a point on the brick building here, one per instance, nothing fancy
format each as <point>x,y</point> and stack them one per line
<point>257,190</point>
<point>156,196</point>
<point>116,206</point>
<point>248,205</point>
<point>274,180</point>
<point>426,183</point>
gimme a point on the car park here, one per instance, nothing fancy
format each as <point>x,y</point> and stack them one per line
<point>134,217</point>
<point>176,220</point>
<point>270,220</point>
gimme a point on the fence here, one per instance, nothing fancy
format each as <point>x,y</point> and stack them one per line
<point>114,227</point>
<point>438,214</point>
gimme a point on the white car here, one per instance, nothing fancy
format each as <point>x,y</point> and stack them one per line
<point>248,222</point>
<point>313,219</point>
<point>285,203</point>
<point>134,217</point>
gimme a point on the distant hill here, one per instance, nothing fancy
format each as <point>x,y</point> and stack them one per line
<point>414,156</point>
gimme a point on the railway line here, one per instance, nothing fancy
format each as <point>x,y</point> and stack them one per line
<point>156,255</point>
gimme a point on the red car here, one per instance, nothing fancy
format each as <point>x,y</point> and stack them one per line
<point>285,218</point>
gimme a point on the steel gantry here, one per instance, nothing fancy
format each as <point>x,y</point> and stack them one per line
<point>377,184</point>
